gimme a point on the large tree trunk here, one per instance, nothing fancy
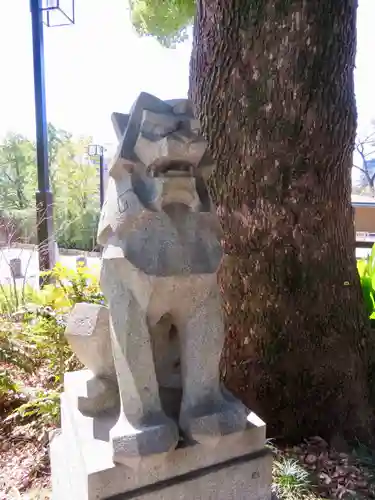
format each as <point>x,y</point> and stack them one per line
<point>272,81</point>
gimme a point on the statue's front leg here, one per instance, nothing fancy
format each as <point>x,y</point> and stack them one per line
<point>207,411</point>
<point>142,428</point>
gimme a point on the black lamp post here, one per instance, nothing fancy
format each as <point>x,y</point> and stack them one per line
<point>44,11</point>
<point>95,150</point>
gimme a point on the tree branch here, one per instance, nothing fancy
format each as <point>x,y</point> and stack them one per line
<point>8,176</point>
<point>361,169</point>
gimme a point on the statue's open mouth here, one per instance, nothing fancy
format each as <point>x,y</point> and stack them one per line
<point>164,168</point>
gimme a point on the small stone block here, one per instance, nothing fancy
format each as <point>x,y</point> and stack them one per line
<point>102,394</point>
<point>86,320</point>
<point>87,331</point>
<point>154,441</point>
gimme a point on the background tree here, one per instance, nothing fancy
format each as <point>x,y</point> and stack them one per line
<point>18,175</point>
<point>272,82</point>
<point>74,181</point>
<point>166,20</point>
<point>76,195</point>
<point>365,149</point>
<point>17,184</point>
<point>57,139</point>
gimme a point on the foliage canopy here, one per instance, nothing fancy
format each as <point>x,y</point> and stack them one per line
<point>74,181</point>
<point>166,20</point>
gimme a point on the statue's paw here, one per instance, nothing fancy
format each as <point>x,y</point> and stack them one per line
<point>101,395</point>
<point>207,424</point>
<point>156,439</point>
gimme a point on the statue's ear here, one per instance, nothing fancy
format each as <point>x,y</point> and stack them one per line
<point>120,122</point>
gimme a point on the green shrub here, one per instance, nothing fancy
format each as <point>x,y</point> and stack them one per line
<point>77,232</point>
<point>366,271</point>
<point>7,384</point>
<point>69,286</point>
<point>14,297</point>
<point>43,407</point>
<point>34,334</point>
<point>15,351</point>
<point>15,347</point>
<point>47,321</point>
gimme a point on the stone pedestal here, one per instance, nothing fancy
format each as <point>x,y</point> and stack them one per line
<point>237,468</point>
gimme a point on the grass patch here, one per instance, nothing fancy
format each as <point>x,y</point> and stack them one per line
<point>291,481</point>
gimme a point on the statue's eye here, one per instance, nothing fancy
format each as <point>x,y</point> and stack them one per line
<point>155,126</point>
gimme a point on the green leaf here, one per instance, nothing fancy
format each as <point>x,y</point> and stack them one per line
<point>371,262</point>
<point>367,290</point>
<point>362,267</point>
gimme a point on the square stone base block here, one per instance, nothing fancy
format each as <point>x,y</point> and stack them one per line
<point>239,467</point>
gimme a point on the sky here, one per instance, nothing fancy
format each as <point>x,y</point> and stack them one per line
<point>99,65</point>
<point>95,67</point>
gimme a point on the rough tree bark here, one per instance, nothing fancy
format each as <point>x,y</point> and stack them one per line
<point>272,81</point>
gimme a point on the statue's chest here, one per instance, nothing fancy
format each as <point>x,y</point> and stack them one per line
<point>159,248</point>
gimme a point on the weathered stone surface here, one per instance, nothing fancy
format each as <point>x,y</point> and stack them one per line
<point>120,122</point>
<point>83,468</point>
<point>88,333</point>
<point>181,106</point>
<point>101,395</point>
<point>247,478</point>
<point>159,130</point>
<point>161,252</point>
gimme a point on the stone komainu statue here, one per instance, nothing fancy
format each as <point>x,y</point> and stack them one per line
<point>158,358</point>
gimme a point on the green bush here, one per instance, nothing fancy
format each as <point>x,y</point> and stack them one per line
<point>7,384</point>
<point>33,336</point>
<point>72,230</point>
<point>43,407</point>
<point>366,271</point>
<point>15,347</point>
<point>77,232</point>
<point>70,286</point>
<point>13,297</point>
